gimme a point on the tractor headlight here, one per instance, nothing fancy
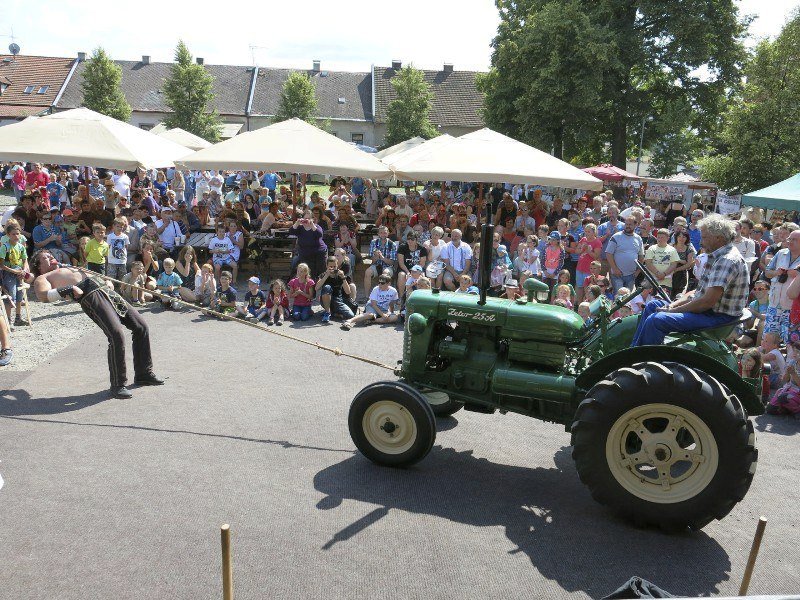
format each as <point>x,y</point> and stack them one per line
<point>416,324</point>
<point>542,295</point>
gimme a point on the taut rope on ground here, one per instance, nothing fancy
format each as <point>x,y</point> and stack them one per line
<point>337,351</point>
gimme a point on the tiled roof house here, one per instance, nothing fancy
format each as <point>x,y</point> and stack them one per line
<point>354,103</point>
<point>344,98</point>
<point>456,104</point>
<point>142,82</point>
<point>31,85</point>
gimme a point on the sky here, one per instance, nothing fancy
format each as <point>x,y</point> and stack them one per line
<point>345,35</point>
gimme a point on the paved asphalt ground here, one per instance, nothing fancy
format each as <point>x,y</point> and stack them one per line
<point>123,499</point>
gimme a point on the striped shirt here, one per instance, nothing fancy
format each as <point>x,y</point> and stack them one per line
<point>727,269</point>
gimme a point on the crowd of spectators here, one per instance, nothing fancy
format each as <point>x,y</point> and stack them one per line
<point>134,227</point>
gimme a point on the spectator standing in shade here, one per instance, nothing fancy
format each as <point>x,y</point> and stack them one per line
<point>311,248</point>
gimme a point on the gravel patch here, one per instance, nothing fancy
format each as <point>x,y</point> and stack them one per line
<point>55,326</point>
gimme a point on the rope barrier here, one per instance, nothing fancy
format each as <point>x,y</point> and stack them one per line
<point>336,351</point>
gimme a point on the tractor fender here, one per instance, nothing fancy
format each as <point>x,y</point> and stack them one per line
<point>719,371</point>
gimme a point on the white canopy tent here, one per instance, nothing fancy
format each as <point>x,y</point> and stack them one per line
<point>184,138</point>
<point>293,146</point>
<point>85,138</point>
<point>418,150</point>
<point>486,155</point>
<point>401,147</point>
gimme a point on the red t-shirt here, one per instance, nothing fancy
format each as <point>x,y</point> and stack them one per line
<point>272,300</point>
<point>585,261</point>
<point>37,180</point>
<point>307,287</point>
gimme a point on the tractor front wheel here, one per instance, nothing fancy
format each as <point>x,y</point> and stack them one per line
<point>392,424</point>
<point>663,444</point>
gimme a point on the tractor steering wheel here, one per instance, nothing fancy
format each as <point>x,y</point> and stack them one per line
<point>654,282</point>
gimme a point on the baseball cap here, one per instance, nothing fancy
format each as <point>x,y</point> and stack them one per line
<point>554,235</point>
<point>417,269</point>
<point>68,212</point>
<point>501,249</point>
<point>255,280</point>
<point>166,209</point>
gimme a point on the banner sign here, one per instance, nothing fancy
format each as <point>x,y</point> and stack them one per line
<point>663,191</point>
<point>728,205</point>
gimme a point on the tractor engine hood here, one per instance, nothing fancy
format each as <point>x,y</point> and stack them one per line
<point>519,321</point>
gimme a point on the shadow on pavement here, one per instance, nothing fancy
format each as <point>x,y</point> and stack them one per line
<point>19,402</point>
<point>778,424</point>
<point>445,423</point>
<point>546,514</point>
<point>282,443</point>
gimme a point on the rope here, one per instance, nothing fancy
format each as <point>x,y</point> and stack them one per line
<point>336,351</point>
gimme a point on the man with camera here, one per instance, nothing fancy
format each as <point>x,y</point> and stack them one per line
<point>781,270</point>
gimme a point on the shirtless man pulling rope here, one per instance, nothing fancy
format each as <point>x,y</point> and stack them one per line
<point>107,309</point>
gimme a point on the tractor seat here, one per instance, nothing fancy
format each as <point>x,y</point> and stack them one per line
<point>718,332</point>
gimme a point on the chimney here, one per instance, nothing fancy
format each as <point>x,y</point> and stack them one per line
<point>397,64</point>
<point>145,60</point>
<point>448,68</point>
<point>82,56</point>
<point>316,66</point>
<point>199,60</point>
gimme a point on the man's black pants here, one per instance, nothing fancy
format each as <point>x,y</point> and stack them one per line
<point>100,310</point>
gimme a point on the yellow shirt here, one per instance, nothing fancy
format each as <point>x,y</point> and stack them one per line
<point>96,252</point>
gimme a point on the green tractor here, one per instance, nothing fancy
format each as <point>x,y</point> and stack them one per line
<point>660,434</point>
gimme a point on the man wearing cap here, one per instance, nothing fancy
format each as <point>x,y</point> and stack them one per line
<point>95,189</point>
<point>168,229</point>
<point>622,251</point>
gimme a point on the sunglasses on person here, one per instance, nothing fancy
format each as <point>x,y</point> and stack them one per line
<point>760,289</point>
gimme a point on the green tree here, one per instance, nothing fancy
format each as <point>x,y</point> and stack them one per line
<point>101,87</point>
<point>298,99</point>
<point>408,115</point>
<point>599,66</point>
<point>188,92</point>
<point>758,141</point>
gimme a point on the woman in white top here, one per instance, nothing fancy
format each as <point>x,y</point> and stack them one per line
<point>435,244</point>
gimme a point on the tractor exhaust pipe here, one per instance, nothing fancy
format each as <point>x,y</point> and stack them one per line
<point>487,236</point>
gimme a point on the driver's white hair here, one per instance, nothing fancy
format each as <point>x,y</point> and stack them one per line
<point>718,226</point>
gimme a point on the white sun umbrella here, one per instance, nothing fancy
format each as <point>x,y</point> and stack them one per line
<point>402,146</point>
<point>486,155</point>
<point>86,138</point>
<point>418,150</point>
<point>184,138</point>
<point>293,146</point>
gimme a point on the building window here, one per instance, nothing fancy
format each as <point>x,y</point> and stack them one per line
<point>146,126</point>
<point>357,138</point>
<point>28,89</point>
<point>43,89</point>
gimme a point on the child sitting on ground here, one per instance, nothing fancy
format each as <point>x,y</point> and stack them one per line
<point>301,293</point>
<point>97,249</point>
<point>205,286</point>
<point>380,308</point>
<point>277,302</point>
<point>169,284</point>
<point>786,401</point>
<point>225,296</point>
<point>136,277</point>
<point>750,363</point>
<point>771,355</point>
<point>254,301</point>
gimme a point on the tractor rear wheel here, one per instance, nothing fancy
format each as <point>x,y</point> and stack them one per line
<point>392,424</point>
<point>663,444</point>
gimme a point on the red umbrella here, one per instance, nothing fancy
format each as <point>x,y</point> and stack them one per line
<point>609,173</point>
